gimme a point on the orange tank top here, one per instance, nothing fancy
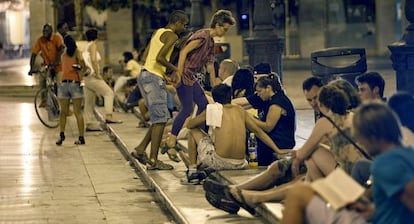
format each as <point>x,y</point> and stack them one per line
<point>69,73</point>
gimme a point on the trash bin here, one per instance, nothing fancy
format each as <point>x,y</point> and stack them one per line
<point>222,51</point>
<point>339,63</point>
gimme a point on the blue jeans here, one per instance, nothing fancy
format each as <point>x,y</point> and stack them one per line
<point>70,91</point>
<point>152,88</point>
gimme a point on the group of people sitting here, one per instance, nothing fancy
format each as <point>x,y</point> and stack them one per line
<point>355,130</point>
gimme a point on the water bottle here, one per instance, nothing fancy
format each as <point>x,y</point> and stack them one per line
<point>252,149</point>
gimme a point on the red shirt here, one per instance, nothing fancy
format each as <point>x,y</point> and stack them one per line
<point>49,49</point>
<point>199,57</point>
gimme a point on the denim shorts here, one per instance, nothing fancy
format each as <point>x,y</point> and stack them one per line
<point>152,88</point>
<point>67,90</point>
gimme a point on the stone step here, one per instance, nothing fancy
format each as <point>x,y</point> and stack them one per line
<point>19,91</point>
<point>186,202</point>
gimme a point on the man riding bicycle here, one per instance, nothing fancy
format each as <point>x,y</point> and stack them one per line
<point>52,48</point>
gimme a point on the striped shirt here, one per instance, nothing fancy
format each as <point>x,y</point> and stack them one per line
<point>199,57</point>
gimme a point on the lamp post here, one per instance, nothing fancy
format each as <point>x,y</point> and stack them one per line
<point>402,53</point>
<point>264,46</point>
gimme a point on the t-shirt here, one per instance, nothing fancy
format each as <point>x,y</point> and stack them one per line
<point>283,134</point>
<point>49,49</point>
<point>198,57</point>
<point>392,171</point>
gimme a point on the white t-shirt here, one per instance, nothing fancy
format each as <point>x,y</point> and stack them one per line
<point>133,67</point>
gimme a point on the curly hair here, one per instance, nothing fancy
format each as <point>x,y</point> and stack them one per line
<point>349,90</point>
<point>221,17</point>
<point>334,99</point>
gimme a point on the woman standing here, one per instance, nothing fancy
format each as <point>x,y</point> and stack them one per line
<point>95,84</point>
<point>70,88</point>
<point>197,53</point>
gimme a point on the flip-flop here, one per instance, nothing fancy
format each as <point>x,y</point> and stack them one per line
<point>173,157</point>
<point>241,203</point>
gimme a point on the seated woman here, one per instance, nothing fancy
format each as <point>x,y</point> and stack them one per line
<point>277,116</point>
<point>333,103</point>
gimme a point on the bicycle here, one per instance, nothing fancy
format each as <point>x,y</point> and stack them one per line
<point>46,102</point>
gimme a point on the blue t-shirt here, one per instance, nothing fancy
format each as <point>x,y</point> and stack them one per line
<point>283,134</point>
<point>392,171</point>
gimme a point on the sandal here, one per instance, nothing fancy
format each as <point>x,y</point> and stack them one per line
<point>221,202</point>
<point>141,157</point>
<point>159,165</point>
<point>171,156</point>
<point>242,203</point>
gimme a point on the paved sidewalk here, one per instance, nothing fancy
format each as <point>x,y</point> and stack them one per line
<point>45,183</point>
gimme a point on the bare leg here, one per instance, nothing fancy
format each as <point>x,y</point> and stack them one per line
<point>320,164</point>
<point>193,138</point>
<point>64,105</point>
<point>276,194</point>
<point>296,202</point>
<point>77,105</point>
<point>145,141</point>
<point>156,137</point>
<point>262,181</point>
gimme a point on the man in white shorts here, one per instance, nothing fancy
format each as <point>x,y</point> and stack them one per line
<point>225,146</point>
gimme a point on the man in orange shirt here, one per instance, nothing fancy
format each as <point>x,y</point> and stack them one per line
<point>52,47</point>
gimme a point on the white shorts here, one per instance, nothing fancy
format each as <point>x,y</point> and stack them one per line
<point>208,157</point>
<point>317,212</point>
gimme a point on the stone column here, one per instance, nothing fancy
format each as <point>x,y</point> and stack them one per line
<point>264,46</point>
<point>402,53</point>
<point>196,15</point>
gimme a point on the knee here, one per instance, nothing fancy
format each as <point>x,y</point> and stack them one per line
<point>273,169</point>
<point>301,193</point>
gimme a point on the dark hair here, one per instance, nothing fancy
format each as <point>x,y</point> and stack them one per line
<point>402,103</point>
<point>48,26</point>
<point>60,24</point>
<point>177,16</point>
<point>243,80</point>
<point>373,79</point>
<point>106,68</point>
<point>376,121</point>
<point>221,17</point>
<point>128,56</point>
<point>70,44</point>
<point>222,93</point>
<point>350,92</point>
<point>262,68</point>
<point>272,80</point>
<point>334,99</point>
<point>91,34</point>
<point>310,82</point>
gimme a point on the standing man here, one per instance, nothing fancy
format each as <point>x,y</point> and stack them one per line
<point>371,86</point>
<point>152,84</point>
<point>52,47</point>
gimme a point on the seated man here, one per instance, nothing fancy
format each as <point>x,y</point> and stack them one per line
<point>224,147</point>
<point>378,129</point>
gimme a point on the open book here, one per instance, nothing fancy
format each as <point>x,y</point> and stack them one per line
<point>338,189</point>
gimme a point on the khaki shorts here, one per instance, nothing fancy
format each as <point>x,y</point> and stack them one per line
<point>318,212</point>
<point>208,157</point>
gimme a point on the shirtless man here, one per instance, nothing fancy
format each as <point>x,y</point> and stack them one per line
<point>225,148</point>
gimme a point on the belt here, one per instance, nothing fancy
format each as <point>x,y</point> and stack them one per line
<point>70,81</point>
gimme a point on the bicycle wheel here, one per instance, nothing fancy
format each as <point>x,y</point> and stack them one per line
<point>47,108</point>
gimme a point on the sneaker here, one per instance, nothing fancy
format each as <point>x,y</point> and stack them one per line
<point>195,176</point>
<point>159,165</point>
